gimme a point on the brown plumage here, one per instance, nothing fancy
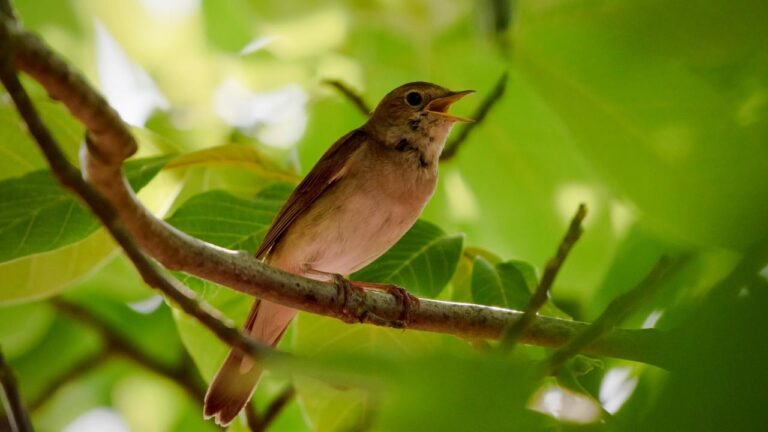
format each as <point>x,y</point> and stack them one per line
<point>363,194</point>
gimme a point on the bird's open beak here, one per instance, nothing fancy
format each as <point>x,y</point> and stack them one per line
<point>440,106</point>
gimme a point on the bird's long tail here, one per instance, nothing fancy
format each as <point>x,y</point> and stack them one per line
<point>235,381</point>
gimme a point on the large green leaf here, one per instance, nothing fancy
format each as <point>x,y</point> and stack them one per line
<point>508,284</point>
<point>229,221</point>
<point>38,215</point>
<point>44,274</point>
<point>422,261</point>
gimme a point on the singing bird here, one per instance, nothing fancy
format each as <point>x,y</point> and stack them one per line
<point>363,194</point>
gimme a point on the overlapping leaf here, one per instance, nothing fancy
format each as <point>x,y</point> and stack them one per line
<point>423,261</point>
<point>38,215</point>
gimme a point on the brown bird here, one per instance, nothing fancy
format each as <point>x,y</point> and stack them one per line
<point>363,194</point>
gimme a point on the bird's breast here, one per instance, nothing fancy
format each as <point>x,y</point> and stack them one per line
<point>357,219</point>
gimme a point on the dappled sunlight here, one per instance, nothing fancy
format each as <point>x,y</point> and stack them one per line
<point>565,405</point>
<point>278,117</point>
<point>98,420</point>
<point>461,199</point>
<point>307,35</point>
<point>128,88</point>
<point>177,9</point>
<point>570,195</point>
<point>652,319</point>
<point>617,386</point>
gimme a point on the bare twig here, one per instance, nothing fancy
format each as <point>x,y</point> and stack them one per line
<point>183,373</point>
<point>110,142</point>
<point>352,95</point>
<point>541,295</point>
<point>260,423</point>
<point>14,409</point>
<point>616,311</point>
<point>70,178</point>
<point>452,147</point>
<point>80,368</point>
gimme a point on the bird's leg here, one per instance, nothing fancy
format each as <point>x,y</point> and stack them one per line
<point>408,301</point>
<point>353,295</point>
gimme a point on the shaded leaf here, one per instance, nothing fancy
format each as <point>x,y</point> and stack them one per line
<point>38,215</point>
<point>229,221</point>
<point>500,285</point>
<point>423,261</point>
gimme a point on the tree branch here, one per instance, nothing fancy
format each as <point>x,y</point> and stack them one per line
<point>183,373</point>
<point>14,409</point>
<point>541,295</point>
<point>109,143</point>
<point>616,311</point>
<point>260,423</point>
<point>100,117</point>
<point>82,367</point>
<point>452,147</point>
<point>352,95</point>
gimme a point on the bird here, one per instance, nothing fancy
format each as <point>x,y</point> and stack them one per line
<point>364,193</point>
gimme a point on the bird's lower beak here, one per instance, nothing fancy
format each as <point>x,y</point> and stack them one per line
<point>440,106</point>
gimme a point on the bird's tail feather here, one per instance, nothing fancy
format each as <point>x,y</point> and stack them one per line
<point>233,385</point>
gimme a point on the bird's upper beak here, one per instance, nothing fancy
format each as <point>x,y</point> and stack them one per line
<point>440,105</point>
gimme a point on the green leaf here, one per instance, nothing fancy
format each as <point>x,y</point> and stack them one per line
<point>422,261</point>
<point>38,215</point>
<point>23,279</point>
<point>229,221</point>
<point>500,285</point>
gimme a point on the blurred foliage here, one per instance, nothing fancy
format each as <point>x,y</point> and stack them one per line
<point>653,113</point>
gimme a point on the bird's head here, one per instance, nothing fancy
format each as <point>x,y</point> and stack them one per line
<point>416,110</point>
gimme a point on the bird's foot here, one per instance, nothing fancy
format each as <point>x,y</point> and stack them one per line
<point>408,301</point>
<point>356,309</point>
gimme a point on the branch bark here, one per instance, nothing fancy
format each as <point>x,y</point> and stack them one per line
<point>18,418</point>
<point>109,143</point>
<point>69,177</point>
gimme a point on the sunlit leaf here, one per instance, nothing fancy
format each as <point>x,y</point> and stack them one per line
<point>26,278</point>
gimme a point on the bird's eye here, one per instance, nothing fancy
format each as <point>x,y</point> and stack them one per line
<point>413,98</point>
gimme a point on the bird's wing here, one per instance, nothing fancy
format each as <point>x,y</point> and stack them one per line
<point>328,170</point>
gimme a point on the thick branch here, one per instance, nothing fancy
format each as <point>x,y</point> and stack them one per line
<point>70,178</point>
<point>102,163</point>
<point>9,393</point>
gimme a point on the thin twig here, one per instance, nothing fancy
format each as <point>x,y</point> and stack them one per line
<point>352,95</point>
<point>184,375</point>
<point>111,143</point>
<point>260,423</point>
<point>452,147</point>
<point>70,178</point>
<point>82,367</point>
<point>616,311</point>
<point>512,335</point>
<point>17,415</point>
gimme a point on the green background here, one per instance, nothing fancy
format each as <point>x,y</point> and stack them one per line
<point>653,113</point>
